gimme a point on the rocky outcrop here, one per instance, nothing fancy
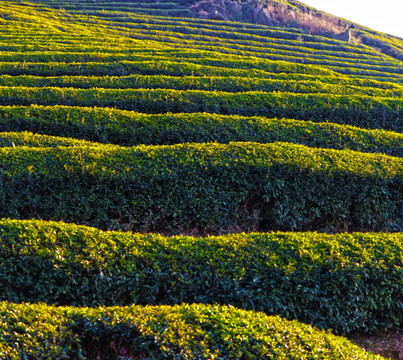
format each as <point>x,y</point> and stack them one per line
<point>217,10</point>
<point>262,16</point>
<point>292,13</point>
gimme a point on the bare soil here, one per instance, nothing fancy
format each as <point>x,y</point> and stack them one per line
<point>388,345</point>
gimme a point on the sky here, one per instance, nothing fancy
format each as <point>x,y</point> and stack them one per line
<point>381,15</point>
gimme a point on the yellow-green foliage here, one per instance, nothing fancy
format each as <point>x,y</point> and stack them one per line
<point>359,110</point>
<point>128,128</point>
<point>240,42</point>
<point>165,63</point>
<point>25,138</point>
<point>344,282</point>
<point>221,83</point>
<point>177,332</point>
<point>78,75</point>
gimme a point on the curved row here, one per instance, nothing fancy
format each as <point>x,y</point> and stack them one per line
<point>141,61</point>
<point>346,282</point>
<point>28,139</point>
<point>156,333</point>
<point>208,187</point>
<point>299,85</point>
<point>362,111</point>
<point>128,128</point>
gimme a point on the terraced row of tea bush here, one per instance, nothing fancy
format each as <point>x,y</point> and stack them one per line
<point>163,62</point>
<point>161,8</point>
<point>29,139</point>
<point>280,49</point>
<point>355,278</point>
<point>161,332</point>
<point>219,83</point>
<point>362,67</point>
<point>128,128</point>
<point>204,186</point>
<point>301,16</point>
<point>255,44</point>
<point>192,57</point>
<point>226,30</point>
<point>363,111</point>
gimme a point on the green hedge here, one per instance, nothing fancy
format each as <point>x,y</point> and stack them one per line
<point>179,332</point>
<point>220,83</point>
<point>347,282</point>
<point>29,139</point>
<point>202,74</point>
<point>293,54</point>
<point>146,63</point>
<point>128,128</point>
<point>164,65</point>
<point>88,53</point>
<point>362,111</point>
<point>266,37</point>
<point>210,187</point>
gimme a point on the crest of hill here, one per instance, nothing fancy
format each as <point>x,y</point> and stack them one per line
<point>295,14</point>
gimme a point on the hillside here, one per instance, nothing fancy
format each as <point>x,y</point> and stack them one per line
<point>178,187</point>
<point>291,14</point>
<point>295,14</point>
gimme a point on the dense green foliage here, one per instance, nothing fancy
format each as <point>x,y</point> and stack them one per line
<point>129,128</point>
<point>362,111</point>
<point>204,186</point>
<point>239,39</point>
<point>168,63</point>
<point>344,282</point>
<point>25,138</point>
<point>156,333</point>
<point>222,83</point>
<point>187,126</point>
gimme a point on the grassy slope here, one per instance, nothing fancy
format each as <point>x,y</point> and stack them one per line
<point>79,50</point>
<point>291,14</point>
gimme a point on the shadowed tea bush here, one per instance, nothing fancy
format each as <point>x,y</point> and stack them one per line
<point>128,128</point>
<point>210,187</point>
<point>346,282</point>
<point>363,111</point>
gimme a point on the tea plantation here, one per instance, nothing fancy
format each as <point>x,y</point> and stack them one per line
<point>180,188</point>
